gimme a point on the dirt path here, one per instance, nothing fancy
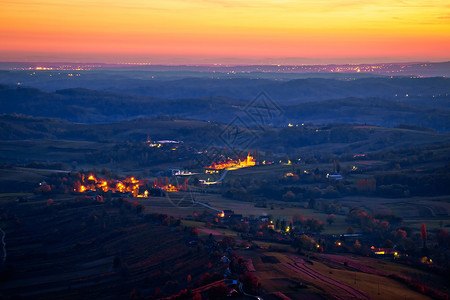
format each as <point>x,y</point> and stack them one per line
<point>299,265</point>
<point>209,231</point>
<point>349,263</point>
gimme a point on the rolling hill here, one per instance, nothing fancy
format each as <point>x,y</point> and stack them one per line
<point>95,106</point>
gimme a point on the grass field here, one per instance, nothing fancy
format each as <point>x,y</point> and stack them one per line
<point>8,196</point>
<point>282,276</point>
<point>181,205</point>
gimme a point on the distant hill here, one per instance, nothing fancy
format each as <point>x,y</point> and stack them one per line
<point>371,111</point>
<point>95,106</point>
<point>284,90</point>
<point>81,105</point>
<point>21,127</point>
<point>335,136</point>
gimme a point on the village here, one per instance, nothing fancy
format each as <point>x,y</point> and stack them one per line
<point>318,222</point>
<point>232,238</point>
<point>303,233</point>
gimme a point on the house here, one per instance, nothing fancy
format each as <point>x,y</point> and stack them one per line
<point>384,251</point>
<point>264,219</point>
<point>236,217</point>
<point>335,176</point>
<point>227,213</point>
<point>350,237</point>
<point>179,172</point>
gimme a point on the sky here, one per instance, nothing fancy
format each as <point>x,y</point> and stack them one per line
<point>225,32</point>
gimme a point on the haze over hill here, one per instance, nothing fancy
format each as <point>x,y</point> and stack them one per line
<point>422,69</point>
<point>379,101</point>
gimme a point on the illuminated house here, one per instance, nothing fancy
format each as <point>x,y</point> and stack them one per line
<point>384,251</point>
<point>249,161</point>
<point>165,185</point>
<point>94,184</point>
<point>226,213</point>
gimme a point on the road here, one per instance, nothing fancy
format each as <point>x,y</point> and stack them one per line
<point>218,180</point>
<point>206,205</point>
<point>241,288</point>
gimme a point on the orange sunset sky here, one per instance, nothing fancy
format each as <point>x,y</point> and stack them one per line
<point>220,31</point>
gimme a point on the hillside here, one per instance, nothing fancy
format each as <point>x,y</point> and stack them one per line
<point>123,146</point>
<point>370,111</point>
<point>179,85</point>
<point>71,246</point>
<point>95,106</point>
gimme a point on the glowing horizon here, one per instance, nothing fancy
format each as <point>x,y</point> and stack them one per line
<point>219,31</point>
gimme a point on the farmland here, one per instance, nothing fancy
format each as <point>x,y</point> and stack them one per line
<point>68,247</point>
<point>115,196</point>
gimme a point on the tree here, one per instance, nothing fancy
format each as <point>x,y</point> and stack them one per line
<point>443,238</point>
<point>400,235</point>
<point>205,279</point>
<point>218,292</point>
<point>312,203</point>
<point>423,234</point>
<point>314,225</point>
<point>194,231</point>
<point>197,296</point>
<point>337,166</point>
<point>388,244</point>
<point>298,219</point>
<point>384,226</point>
<point>331,219</point>
<point>196,182</point>
<point>135,294</point>
<point>289,196</point>
<point>304,242</point>
<point>283,225</point>
<point>251,282</point>
<point>226,242</point>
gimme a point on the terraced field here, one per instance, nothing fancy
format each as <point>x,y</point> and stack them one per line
<point>328,276</point>
<point>73,248</point>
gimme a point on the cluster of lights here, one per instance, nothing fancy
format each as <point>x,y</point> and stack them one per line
<point>129,184</point>
<point>249,161</point>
